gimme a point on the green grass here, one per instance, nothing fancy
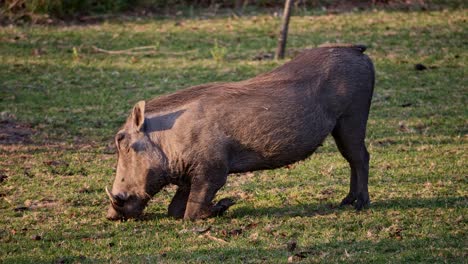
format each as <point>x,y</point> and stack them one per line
<point>53,202</point>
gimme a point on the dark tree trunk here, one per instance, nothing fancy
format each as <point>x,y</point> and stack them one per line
<point>284,30</point>
<point>238,4</point>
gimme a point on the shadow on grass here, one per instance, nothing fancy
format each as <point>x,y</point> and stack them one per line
<point>146,217</point>
<point>305,210</point>
<point>308,210</point>
<point>314,209</point>
<point>152,216</point>
<point>433,202</point>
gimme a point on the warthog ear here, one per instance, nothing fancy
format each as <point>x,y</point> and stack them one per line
<point>138,115</point>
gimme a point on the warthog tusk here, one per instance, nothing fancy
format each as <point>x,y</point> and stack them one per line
<point>111,197</point>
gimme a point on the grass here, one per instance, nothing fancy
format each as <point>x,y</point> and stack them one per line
<point>70,101</point>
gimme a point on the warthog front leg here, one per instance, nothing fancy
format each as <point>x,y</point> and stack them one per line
<point>179,202</point>
<point>202,192</point>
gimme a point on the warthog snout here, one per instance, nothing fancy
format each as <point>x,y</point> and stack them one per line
<point>123,206</point>
<point>112,214</point>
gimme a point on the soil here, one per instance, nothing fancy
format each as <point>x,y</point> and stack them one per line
<point>12,132</point>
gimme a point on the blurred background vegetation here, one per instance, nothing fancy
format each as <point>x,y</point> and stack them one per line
<point>49,11</point>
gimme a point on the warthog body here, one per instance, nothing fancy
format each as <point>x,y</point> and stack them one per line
<point>195,137</point>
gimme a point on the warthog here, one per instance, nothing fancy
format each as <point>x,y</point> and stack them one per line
<point>196,137</point>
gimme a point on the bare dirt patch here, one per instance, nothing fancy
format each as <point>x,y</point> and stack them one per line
<point>12,132</point>
<point>34,205</point>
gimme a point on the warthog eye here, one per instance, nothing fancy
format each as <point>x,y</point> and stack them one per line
<point>118,140</point>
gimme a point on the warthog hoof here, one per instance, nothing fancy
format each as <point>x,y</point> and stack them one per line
<point>348,200</point>
<point>220,207</point>
<point>359,201</point>
<point>362,202</point>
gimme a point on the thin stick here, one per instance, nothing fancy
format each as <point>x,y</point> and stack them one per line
<point>284,30</point>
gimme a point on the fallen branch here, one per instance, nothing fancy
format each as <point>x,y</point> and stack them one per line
<point>146,50</point>
<point>96,17</point>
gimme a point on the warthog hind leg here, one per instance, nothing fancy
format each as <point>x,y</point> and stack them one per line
<point>349,134</point>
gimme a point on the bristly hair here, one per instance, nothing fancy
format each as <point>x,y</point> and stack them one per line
<point>274,78</point>
<point>359,47</point>
<point>180,97</point>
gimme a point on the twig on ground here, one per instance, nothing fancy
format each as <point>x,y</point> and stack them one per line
<point>209,236</point>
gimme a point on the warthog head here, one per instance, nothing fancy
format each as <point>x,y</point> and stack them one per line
<point>140,168</point>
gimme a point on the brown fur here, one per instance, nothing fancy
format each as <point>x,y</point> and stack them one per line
<point>195,137</point>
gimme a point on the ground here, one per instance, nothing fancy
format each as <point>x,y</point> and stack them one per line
<point>62,100</point>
